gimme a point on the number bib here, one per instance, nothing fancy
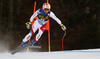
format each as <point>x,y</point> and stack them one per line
<point>43,18</point>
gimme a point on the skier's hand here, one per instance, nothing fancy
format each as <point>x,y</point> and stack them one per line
<point>28,25</point>
<point>63,27</point>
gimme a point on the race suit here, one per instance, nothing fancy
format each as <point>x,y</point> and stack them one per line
<point>40,23</point>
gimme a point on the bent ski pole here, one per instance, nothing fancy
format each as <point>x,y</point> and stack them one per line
<point>62,40</point>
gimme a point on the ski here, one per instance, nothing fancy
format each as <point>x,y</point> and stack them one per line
<point>19,49</point>
<point>34,46</point>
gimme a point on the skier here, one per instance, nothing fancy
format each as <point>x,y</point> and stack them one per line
<point>42,15</point>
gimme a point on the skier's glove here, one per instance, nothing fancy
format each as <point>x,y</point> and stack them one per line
<point>63,27</point>
<point>28,25</point>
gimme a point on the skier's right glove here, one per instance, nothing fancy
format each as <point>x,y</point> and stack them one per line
<point>28,25</point>
<point>63,27</point>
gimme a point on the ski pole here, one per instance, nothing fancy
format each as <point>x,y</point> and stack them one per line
<point>62,40</point>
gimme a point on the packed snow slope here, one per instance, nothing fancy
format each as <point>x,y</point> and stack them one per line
<point>75,54</point>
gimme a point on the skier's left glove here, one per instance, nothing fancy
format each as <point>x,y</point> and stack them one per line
<point>63,27</point>
<point>28,25</point>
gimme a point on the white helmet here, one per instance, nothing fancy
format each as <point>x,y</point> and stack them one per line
<point>46,6</point>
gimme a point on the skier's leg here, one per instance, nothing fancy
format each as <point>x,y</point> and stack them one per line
<point>32,31</point>
<point>39,34</point>
<point>27,37</point>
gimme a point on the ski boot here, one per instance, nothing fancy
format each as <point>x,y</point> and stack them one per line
<point>32,42</point>
<point>22,44</point>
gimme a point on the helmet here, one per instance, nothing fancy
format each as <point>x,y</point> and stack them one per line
<point>46,6</point>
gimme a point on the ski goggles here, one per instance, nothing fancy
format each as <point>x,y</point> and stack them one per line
<point>46,9</point>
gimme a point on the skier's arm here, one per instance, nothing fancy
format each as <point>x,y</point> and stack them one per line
<point>34,15</point>
<point>52,15</point>
<point>28,24</point>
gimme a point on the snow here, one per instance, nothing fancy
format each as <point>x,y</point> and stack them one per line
<point>75,54</point>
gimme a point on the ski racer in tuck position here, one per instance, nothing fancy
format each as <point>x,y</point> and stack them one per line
<point>42,15</point>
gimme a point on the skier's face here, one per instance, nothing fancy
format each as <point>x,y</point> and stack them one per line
<point>46,10</point>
